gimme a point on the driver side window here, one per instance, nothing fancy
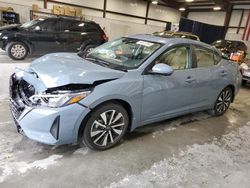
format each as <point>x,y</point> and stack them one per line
<point>49,26</point>
<point>177,58</point>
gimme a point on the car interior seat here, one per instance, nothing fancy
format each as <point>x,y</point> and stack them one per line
<point>204,60</point>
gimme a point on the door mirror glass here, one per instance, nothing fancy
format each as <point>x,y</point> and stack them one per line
<point>162,69</point>
<point>37,28</point>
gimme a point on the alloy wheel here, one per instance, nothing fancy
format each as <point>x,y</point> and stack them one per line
<point>107,128</point>
<point>223,101</point>
<point>18,51</point>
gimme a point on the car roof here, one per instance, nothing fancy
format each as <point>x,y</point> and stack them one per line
<point>70,19</point>
<point>172,41</point>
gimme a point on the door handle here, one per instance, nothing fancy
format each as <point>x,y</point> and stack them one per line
<point>223,73</point>
<point>190,79</point>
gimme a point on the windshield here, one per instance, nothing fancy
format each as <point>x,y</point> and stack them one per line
<point>31,23</point>
<point>124,53</point>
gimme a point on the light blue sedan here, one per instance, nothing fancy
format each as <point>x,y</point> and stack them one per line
<point>94,99</point>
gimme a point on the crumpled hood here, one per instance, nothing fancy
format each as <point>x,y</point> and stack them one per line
<point>60,69</point>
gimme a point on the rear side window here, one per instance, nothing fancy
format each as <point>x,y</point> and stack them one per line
<point>73,26</point>
<point>204,57</point>
<point>92,28</point>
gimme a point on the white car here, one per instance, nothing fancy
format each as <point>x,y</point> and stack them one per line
<point>246,73</point>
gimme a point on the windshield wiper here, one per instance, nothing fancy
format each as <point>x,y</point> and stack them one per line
<point>106,64</point>
<point>120,67</point>
<point>98,61</point>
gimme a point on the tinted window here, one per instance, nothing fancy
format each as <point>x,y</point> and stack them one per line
<point>49,25</point>
<point>204,57</point>
<point>92,28</point>
<point>177,58</point>
<point>73,26</point>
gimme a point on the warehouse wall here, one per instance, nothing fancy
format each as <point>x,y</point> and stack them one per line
<point>115,25</point>
<point>214,18</point>
<point>218,18</point>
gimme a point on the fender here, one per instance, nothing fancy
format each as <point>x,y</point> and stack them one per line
<point>135,113</point>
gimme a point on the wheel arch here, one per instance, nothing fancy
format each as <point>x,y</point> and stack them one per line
<point>233,90</point>
<point>27,43</point>
<point>121,102</point>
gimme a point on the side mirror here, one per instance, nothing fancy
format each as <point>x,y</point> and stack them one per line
<point>162,69</point>
<point>37,28</point>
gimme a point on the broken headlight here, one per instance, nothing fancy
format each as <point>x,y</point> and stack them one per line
<point>58,100</point>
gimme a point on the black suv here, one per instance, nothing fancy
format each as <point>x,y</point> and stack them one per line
<point>230,46</point>
<point>48,35</point>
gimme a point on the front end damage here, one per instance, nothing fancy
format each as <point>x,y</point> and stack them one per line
<point>45,96</point>
<point>50,116</point>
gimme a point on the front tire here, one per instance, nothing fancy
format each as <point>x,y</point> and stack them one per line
<point>223,102</point>
<point>17,50</point>
<point>105,127</point>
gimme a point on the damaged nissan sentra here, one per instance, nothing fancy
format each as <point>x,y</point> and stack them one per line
<point>95,98</point>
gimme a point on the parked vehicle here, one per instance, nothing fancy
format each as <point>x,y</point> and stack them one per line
<point>63,98</point>
<point>246,73</point>
<point>177,34</point>
<point>48,35</point>
<point>229,46</point>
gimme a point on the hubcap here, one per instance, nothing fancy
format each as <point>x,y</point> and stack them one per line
<point>18,51</point>
<point>223,101</point>
<point>107,128</point>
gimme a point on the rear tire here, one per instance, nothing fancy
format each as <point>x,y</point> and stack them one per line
<point>222,102</point>
<point>105,127</point>
<point>17,50</point>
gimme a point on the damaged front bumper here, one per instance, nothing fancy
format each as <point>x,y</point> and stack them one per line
<point>53,126</point>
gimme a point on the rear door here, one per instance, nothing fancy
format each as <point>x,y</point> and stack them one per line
<point>173,94</point>
<point>72,34</point>
<point>209,76</point>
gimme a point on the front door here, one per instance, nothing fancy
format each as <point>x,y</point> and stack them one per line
<point>168,95</point>
<point>45,40</point>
